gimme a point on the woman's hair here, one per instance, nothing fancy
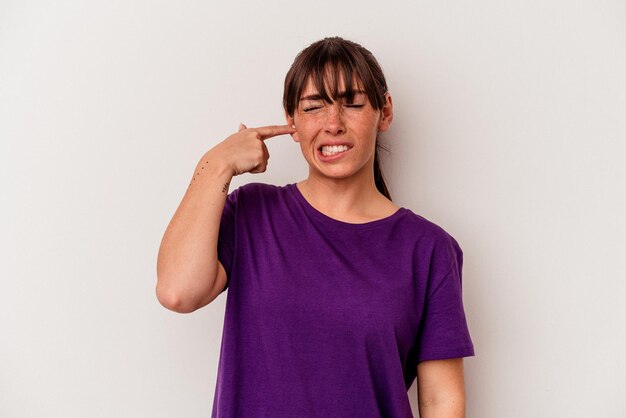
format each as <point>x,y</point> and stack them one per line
<point>329,61</point>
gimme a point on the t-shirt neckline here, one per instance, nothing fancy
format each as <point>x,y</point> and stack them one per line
<point>325,219</point>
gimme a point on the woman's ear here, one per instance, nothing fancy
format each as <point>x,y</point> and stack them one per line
<point>386,114</point>
<point>291,122</point>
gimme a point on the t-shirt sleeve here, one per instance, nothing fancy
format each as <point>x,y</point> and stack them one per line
<point>227,234</point>
<point>444,332</point>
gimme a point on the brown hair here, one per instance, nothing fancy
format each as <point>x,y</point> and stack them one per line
<point>336,59</point>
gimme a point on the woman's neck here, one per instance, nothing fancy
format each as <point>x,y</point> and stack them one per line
<point>353,200</point>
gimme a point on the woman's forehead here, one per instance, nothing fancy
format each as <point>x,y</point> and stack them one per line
<point>310,88</point>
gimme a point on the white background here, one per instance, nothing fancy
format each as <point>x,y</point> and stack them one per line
<point>509,132</point>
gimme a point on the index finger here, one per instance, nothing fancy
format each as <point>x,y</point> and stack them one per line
<point>274,130</point>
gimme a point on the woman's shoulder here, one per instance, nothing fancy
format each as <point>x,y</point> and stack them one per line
<point>415,220</point>
<point>258,194</point>
<point>257,189</point>
<point>426,231</point>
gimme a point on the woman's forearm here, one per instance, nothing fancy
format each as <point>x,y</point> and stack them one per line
<point>187,264</point>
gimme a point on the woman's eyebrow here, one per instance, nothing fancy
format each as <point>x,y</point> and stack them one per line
<point>312,97</point>
<point>341,95</point>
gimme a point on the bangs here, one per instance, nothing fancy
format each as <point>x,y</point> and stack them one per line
<point>328,79</point>
<point>330,64</point>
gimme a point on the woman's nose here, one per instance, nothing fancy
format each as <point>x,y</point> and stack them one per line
<point>334,120</point>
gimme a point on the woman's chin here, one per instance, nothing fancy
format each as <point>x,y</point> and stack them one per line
<point>333,173</point>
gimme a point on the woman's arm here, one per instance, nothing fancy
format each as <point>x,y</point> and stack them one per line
<point>441,388</point>
<point>189,275</point>
<point>187,265</point>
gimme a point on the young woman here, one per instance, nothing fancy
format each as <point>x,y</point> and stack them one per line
<point>338,299</point>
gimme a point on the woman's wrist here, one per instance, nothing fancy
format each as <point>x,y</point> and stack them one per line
<point>216,165</point>
<point>212,172</point>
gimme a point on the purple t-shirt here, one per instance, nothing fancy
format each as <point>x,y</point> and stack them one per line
<point>326,318</point>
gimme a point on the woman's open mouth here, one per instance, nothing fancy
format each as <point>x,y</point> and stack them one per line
<point>330,150</point>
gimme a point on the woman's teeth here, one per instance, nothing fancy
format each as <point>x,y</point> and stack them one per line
<point>333,149</point>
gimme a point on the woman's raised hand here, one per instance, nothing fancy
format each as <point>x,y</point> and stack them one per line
<point>245,151</point>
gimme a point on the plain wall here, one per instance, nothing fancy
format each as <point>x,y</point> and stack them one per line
<point>509,132</point>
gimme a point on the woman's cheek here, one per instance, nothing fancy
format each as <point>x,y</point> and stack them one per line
<point>307,129</point>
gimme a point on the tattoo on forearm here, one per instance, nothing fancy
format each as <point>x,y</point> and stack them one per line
<point>224,188</point>
<point>198,173</point>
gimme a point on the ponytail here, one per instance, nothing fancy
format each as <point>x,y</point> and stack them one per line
<point>378,175</point>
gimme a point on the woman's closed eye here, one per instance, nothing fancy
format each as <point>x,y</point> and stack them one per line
<point>311,107</point>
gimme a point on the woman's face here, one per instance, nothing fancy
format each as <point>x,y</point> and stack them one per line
<point>338,139</point>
